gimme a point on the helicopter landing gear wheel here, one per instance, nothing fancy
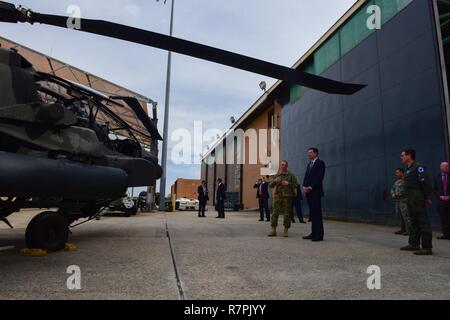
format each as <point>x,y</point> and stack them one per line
<point>48,231</point>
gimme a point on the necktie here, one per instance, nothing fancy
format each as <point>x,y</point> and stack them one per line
<point>444,184</point>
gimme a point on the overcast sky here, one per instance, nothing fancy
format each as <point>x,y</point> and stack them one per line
<point>279,31</point>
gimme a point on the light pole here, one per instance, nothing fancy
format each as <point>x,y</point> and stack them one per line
<point>162,189</point>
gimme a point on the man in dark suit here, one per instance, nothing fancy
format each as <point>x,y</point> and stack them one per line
<point>442,192</point>
<point>262,194</point>
<point>313,189</point>
<point>297,205</point>
<point>220,199</point>
<point>203,198</point>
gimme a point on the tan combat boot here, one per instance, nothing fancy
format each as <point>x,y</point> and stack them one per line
<point>286,232</point>
<point>273,233</point>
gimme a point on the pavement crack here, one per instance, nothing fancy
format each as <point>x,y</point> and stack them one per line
<point>175,266</point>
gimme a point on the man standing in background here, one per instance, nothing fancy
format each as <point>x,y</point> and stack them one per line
<point>262,194</point>
<point>418,195</point>
<point>441,190</point>
<point>220,199</point>
<point>398,194</point>
<point>297,205</point>
<point>313,188</point>
<point>203,198</point>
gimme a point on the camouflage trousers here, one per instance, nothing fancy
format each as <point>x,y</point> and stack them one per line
<point>401,209</point>
<point>282,206</point>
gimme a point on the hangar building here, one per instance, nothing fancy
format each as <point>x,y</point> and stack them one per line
<point>405,105</point>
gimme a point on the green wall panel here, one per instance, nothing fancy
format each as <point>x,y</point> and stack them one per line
<point>355,30</point>
<point>296,90</point>
<point>327,54</point>
<point>351,34</point>
<point>389,8</point>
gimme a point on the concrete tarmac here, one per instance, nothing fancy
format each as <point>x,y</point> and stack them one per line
<point>177,255</point>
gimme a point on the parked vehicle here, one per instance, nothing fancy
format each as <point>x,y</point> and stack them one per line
<point>232,201</point>
<point>126,205</point>
<point>142,201</point>
<point>187,204</point>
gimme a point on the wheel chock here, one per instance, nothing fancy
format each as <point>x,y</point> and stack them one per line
<point>70,247</point>
<point>33,252</point>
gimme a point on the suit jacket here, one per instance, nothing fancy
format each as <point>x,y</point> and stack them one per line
<point>221,193</point>
<point>438,186</point>
<point>314,178</point>
<point>264,191</point>
<point>201,194</point>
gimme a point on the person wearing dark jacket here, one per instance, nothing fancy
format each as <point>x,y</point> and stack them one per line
<point>442,193</point>
<point>313,188</point>
<point>262,194</point>
<point>220,199</point>
<point>203,198</point>
<point>419,191</point>
<point>297,205</point>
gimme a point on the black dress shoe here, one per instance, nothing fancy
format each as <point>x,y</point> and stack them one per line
<point>310,237</point>
<point>303,221</point>
<point>317,239</point>
<point>444,237</point>
<point>261,220</point>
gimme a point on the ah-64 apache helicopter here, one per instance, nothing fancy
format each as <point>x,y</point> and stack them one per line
<point>56,149</point>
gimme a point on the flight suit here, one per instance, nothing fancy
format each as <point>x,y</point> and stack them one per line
<point>418,190</point>
<point>282,197</point>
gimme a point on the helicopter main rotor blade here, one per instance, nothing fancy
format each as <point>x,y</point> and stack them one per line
<point>9,13</point>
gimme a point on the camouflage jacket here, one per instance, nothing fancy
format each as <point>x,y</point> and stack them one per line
<point>398,190</point>
<point>281,191</point>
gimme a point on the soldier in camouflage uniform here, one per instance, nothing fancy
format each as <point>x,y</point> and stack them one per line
<point>398,194</point>
<point>418,195</point>
<point>285,189</point>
